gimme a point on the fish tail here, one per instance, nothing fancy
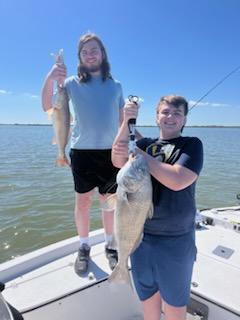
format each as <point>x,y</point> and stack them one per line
<point>121,275</point>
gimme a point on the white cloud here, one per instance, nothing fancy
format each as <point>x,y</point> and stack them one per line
<point>30,95</point>
<point>26,94</point>
<point>208,104</point>
<point>5,92</point>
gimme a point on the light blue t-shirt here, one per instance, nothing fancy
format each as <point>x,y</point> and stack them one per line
<point>96,105</point>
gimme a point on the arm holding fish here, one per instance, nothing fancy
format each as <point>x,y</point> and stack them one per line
<point>58,73</point>
<point>120,144</point>
<point>176,176</point>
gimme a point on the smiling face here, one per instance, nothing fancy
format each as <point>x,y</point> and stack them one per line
<point>91,57</point>
<point>170,119</point>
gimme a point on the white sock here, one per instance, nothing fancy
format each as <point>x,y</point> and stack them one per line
<point>108,238</point>
<point>84,240</point>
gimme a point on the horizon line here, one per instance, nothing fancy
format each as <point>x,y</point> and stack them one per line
<point>140,125</point>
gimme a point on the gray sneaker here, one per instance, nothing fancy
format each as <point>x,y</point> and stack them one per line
<point>112,256</point>
<point>81,263</point>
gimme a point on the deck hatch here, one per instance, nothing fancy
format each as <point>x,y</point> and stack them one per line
<point>223,252</point>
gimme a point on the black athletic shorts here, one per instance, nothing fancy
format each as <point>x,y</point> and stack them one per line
<point>93,168</point>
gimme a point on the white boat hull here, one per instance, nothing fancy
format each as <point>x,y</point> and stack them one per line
<point>43,285</point>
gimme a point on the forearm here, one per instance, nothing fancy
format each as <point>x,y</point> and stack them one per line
<point>120,147</point>
<point>47,94</point>
<point>174,177</point>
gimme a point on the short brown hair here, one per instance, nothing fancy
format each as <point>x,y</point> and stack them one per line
<point>83,75</point>
<point>175,101</point>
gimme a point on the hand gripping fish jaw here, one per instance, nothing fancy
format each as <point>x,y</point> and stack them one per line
<point>131,127</point>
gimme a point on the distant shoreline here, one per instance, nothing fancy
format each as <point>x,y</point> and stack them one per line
<point>140,126</point>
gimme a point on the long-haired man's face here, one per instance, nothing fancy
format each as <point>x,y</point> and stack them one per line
<point>91,56</point>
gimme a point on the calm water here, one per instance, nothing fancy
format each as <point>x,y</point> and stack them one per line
<point>37,198</point>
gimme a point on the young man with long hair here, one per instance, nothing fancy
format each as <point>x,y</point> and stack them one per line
<point>97,101</point>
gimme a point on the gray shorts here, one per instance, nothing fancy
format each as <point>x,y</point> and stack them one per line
<point>164,264</point>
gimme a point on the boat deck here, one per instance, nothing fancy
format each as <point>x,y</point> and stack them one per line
<point>54,291</point>
<point>217,270</point>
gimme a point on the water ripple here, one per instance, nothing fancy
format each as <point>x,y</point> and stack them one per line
<point>37,198</point>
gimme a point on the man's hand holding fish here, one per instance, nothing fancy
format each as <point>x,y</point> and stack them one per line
<point>58,107</point>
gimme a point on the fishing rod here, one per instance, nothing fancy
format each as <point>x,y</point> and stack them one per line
<point>131,126</point>
<point>215,86</point>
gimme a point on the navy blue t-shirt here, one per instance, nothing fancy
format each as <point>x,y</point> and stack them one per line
<point>174,211</point>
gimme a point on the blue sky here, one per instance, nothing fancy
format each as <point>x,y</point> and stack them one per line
<point>155,47</point>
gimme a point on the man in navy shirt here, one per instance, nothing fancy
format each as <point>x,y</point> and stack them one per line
<point>162,264</point>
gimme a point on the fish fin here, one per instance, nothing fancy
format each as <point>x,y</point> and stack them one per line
<point>50,113</point>
<point>111,202</point>
<point>120,275</point>
<point>150,212</point>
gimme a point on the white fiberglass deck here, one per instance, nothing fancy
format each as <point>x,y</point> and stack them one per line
<point>53,291</point>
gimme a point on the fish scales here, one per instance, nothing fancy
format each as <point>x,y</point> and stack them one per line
<point>133,206</point>
<point>61,119</point>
